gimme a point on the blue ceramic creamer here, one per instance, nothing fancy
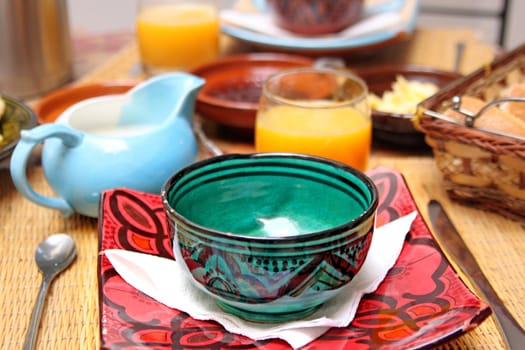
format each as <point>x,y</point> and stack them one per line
<point>134,140</point>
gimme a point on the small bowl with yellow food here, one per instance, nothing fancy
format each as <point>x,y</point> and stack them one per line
<point>394,93</point>
<point>14,116</point>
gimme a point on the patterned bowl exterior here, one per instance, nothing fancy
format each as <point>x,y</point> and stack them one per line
<point>270,279</point>
<point>309,17</point>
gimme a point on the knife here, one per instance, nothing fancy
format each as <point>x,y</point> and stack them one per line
<point>448,236</point>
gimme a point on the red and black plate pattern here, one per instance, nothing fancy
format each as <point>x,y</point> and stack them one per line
<point>421,303</point>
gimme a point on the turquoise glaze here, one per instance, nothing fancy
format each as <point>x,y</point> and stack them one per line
<point>134,140</point>
<point>270,236</point>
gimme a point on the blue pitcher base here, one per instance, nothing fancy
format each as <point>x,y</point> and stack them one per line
<point>274,317</point>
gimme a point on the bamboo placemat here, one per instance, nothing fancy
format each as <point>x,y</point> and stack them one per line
<point>70,319</point>
<point>429,47</point>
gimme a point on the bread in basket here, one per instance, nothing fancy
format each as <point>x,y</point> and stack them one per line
<point>476,128</point>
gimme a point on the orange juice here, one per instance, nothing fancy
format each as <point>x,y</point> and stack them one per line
<point>177,36</point>
<point>343,134</point>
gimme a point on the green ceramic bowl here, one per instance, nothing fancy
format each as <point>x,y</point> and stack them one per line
<point>270,236</point>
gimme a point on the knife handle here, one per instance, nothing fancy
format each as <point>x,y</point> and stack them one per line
<point>514,333</point>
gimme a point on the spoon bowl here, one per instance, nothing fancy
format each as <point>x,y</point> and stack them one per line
<point>53,255</point>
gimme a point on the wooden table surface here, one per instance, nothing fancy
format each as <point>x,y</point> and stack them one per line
<point>71,315</point>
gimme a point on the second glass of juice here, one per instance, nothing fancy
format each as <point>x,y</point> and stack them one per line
<point>321,112</point>
<point>176,34</point>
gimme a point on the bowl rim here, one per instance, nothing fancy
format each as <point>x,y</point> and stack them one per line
<point>32,122</point>
<point>253,59</point>
<point>349,225</point>
<point>410,68</point>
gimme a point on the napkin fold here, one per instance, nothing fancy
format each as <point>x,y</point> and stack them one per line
<point>165,281</point>
<point>378,17</point>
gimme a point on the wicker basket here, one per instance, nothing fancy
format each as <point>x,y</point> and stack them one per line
<point>479,167</point>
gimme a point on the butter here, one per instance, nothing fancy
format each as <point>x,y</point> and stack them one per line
<point>404,96</point>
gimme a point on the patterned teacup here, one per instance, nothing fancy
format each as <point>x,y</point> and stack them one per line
<point>315,17</point>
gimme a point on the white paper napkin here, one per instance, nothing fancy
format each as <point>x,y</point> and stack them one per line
<point>393,15</point>
<point>165,281</point>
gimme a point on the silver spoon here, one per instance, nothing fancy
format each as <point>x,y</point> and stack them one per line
<point>53,255</point>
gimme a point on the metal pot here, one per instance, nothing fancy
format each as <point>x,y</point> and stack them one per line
<point>35,46</point>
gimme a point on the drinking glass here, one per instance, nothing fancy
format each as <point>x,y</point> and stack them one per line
<point>176,34</point>
<point>316,111</point>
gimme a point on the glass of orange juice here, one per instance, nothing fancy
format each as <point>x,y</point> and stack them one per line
<point>316,111</point>
<point>176,34</point>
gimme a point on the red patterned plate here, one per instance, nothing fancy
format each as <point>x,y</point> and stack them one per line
<point>421,303</point>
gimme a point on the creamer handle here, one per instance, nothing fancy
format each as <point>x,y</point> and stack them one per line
<point>29,139</point>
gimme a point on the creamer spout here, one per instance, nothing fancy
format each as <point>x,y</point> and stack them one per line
<point>161,99</point>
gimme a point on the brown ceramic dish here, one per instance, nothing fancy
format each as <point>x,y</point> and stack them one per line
<point>49,107</point>
<point>394,128</point>
<point>233,85</point>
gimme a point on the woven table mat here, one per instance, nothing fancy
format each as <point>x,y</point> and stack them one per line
<point>70,318</point>
<point>440,54</point>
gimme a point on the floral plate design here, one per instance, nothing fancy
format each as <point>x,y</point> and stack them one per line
<point>421,303</point>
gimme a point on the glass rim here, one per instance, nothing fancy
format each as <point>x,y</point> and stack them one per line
<point>363,96</point>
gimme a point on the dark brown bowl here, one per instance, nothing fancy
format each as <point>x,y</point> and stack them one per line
<point>395,128</point>
<point>234,84</point>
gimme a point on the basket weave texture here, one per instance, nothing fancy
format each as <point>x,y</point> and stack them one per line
<point>479,166</point>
